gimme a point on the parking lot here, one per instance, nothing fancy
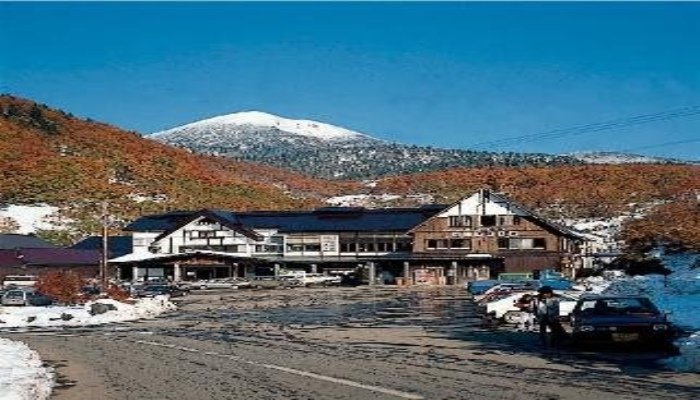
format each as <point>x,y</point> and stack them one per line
<point>338,343</point>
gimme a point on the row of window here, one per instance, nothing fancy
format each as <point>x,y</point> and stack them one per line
<point>379,247</point>
<point>433,244</point>
<point>503,243</point>
<point>467,221</point>
<point>522,243</point>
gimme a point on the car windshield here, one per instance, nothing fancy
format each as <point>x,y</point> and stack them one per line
<point>156,288</point>
<point>14,294</point>
<point>619,306</point>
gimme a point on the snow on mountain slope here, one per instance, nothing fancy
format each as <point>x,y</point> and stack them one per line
<point>606,157</point>
<point>327,151</point>
<point>243,121</point>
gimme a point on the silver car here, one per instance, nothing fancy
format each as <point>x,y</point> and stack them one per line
<point>17,297</point>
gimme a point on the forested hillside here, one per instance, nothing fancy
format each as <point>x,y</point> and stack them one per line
<point>49,156</point>
<point>665,195</point>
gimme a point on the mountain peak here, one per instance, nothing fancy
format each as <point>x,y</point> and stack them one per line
<point>263,120</point>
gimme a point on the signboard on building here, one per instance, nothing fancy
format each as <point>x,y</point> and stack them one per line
<point>329,243</point>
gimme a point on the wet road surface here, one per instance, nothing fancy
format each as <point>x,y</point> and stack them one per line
<point>362,343</point>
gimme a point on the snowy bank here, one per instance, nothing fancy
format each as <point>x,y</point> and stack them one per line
<point>677,294</point>
<point>19,317</point>
<point>22,375</point>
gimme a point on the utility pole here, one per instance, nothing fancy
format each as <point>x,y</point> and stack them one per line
<point>104,219</point>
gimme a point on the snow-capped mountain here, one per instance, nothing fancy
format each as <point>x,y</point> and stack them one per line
<point>609,157</point>
<point>243,123</point>
<point>327,151</point>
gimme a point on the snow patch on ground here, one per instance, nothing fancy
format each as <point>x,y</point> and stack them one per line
<point>361,199</point>
<point>379,200</point>
<point>30,218</point>
<point>54,316</point>
<point>22,374</point>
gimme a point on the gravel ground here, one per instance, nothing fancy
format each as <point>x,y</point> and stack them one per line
<point>360,343</point>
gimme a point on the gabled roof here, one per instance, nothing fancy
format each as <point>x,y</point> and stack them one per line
<point>159,222</point>
<point>14,241</point>
<point>117,245</point>
<point>510,205</point>
<point>225,218</point>
<point>546,223</point>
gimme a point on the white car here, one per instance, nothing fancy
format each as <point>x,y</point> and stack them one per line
<point>504,288</point>
<point>219,284</point>
<point>505,308</point>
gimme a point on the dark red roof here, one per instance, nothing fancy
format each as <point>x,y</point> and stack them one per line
<point>49,257</point>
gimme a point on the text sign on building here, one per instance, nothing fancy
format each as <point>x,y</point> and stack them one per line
<point>329,243</point>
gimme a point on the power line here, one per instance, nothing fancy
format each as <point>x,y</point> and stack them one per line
<point>596,127</point>
<point>664,144</point>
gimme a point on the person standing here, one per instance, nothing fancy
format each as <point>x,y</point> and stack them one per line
<point>526,321</point>
<point>547,313</point>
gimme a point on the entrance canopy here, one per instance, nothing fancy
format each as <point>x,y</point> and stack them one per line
<point>150,259</point>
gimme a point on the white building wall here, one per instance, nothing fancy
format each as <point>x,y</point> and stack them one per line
<point>141,241</point>
<point>474,205</point>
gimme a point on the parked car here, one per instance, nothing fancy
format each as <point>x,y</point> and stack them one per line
<point>505,308</point>
<point>227,283</point>
<point>19,297</point>
<point>620,319</point>
<point>479,287</point>
<point>157,290</point>
<point>272,282</point>
<point>502,289</point>
<point>310,279</point>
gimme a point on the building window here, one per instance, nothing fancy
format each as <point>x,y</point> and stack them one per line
<point>350,247</point>
<point>433,244</point>
<point>460,221</point>
<point>303,247</point>
<point>488,220</point>
<point>268,248</point>
<point>404,245</point>
<point>539,243</point>
<point>205,234</point>
<point>516,220</point>
<point>522,244</point>
<point>460,244</point>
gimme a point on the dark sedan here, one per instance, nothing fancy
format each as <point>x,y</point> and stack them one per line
<point>620,320</point>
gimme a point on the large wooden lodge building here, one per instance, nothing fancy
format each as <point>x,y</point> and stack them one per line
<point>477,237</point>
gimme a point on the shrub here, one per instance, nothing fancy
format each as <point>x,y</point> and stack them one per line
<point>117,293</point>
<point>62,286</point>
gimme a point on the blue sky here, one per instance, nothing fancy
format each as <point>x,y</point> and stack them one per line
<point>441,74</point>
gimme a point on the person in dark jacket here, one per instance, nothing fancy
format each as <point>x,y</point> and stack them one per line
<point>547,313</point>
